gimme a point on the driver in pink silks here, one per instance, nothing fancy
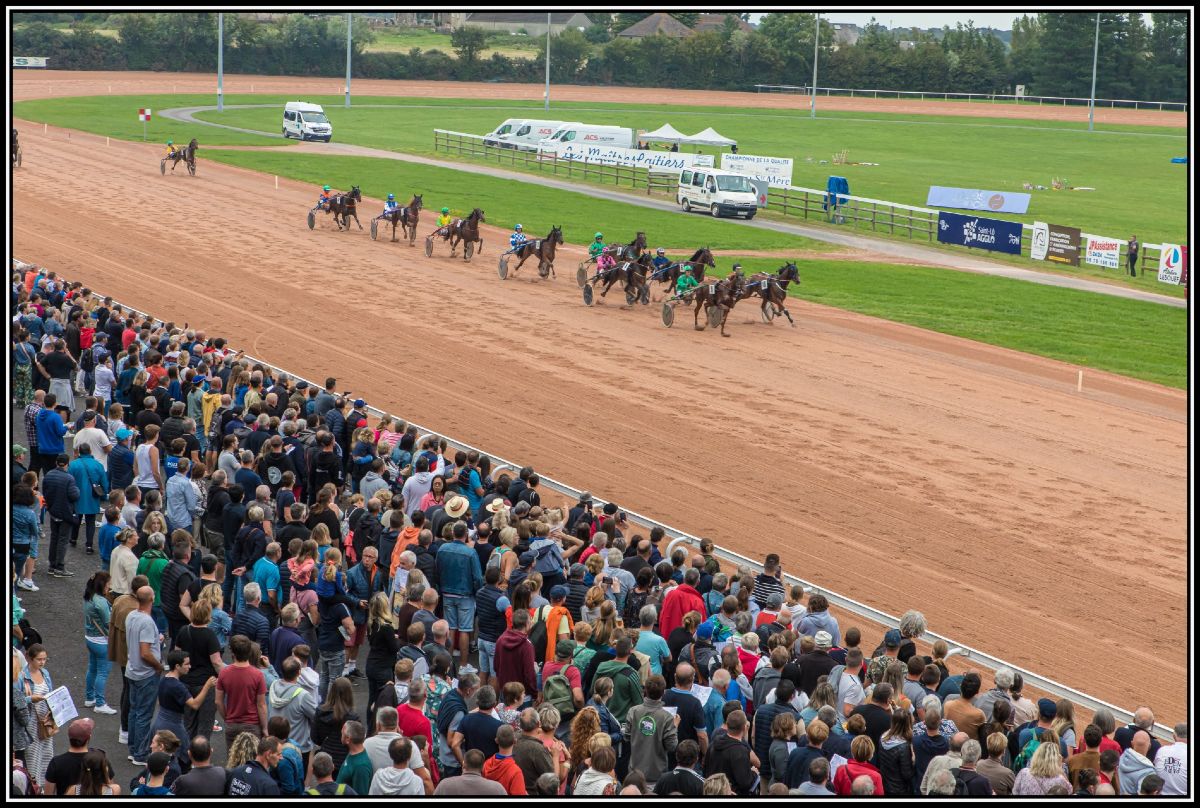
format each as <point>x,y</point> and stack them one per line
<point>604,262</point>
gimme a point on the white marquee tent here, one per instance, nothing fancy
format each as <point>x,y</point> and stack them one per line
<point>669,134</point>
<point>665,134</point>
<point>710,137</point>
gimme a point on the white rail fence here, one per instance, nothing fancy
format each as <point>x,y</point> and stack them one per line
<point>1004,98</point>
<point>679,538</point>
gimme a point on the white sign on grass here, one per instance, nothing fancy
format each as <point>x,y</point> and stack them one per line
<point>1170,264</point>
<point>673,162</point>
<point>1103,252</point>
<point>777,171</point>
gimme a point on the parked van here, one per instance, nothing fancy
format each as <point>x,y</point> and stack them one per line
<point>718,192</point>
<point>501,132</point>
<point>306,121</point>
<point>527,136</point>
<point>582,134</point>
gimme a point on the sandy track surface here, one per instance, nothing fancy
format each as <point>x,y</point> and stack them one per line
<point>899,466</point>
<point>39,84</point>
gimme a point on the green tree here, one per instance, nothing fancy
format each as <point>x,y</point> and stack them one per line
<point>1167,67</point>
<point>1122,65</point>
<point>791,37</point>
<point>1063,66</point>
<point>569,53</point>
<point>598,34</point>
<point>977,59</point>
<point>1026,40</point>
<point>468,41</point>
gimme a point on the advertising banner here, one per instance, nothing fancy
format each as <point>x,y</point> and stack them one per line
<point>30,61</point>
<point>1063,245</point>
<point>761,186</point>
<point>1171,264</point>
<point>1104,252</point>
<point>975,199</point>
<point>777,171</point>
<point>1039,241</point>
<point>975,231</point>
<point>674,162</point>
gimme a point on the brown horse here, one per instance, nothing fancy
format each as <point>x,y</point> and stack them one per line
<point>187,154</point>
<point>633,250</point>
<point>669,274</point>
<point>543,248</point>
<point>723,295</point>
<point>408,216</point>
<point>466,232</point>
<point>772,288</point>
<point>345,207</point>
<point>635,275</point>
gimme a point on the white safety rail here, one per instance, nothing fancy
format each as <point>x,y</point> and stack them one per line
<point>679,538</point>
<point>1040,100</point>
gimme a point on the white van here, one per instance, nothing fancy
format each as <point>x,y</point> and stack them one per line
<point>582,134</point>
<point>718,192</point>
<point>306,121</point>
<point>527,136</point>
<point>502,132</point>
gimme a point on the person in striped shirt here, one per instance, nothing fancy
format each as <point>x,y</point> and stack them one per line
<point>769,582</point>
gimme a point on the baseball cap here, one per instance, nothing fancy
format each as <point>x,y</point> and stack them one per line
<point>824,639</point>
<point>704,631</point>
<point>80,730</point>
<point>18,450</point>
<point>1047,708</point>
<point>302,386</point>
<point>892,638</point>
<point>564,648</point>
<point>359,403</point>
<point>122,434</point>
<point>586,496</point>
<point>89,415</point>
<point>527,558</point>
<point>577,569</point>
<point>558,591</point>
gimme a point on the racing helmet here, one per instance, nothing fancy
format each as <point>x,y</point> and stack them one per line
<point>599,235</point>
<point>327,188</point>
<point>170,143</point>
<point>736,267</point>
<point>518,227</point>
<point>661,251</point>
<point>445,210</point>
<point>391,197</point>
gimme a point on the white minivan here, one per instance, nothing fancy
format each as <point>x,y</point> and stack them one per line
<point>582,134</point>
<point>717,192</point>
<point>502,132</point>
<point>524,135</point>
<point>306,121</point>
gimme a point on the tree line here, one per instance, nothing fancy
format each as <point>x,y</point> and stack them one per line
<point>1050,53</point>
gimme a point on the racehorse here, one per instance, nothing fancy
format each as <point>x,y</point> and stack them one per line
<point>408,216</point>
<point>633,250</point>
<point>773,290</point>
<point>543,248</point>
<point>466,232</point>
<point>669,274</point>
<point>187,154</point>
<point>722,295</point>
<point>344,206</point>
<point>635,274</point>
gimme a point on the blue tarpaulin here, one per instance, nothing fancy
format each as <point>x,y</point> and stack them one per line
<point>836,190</point>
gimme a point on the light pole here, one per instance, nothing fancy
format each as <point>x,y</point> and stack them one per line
<point>220,62</point>
<point>812,101</point>
<point>1095,58</point>
<point>348,24</point>
<point>547,61</point>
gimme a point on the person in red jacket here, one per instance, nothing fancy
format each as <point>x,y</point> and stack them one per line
<point>862,749</point>
<point>679,601</point>
<point>514,660</point>
<point>501,767</point>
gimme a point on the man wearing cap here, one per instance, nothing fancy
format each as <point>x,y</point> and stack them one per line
<point>1047,710</point>
<point>94,437</point>
<point>50,431</point>
<point>522,571</point>
<point>581,511</point>
<point>20,461</point>
<point>816,664</point>
<point>460,577</point>
<point>891,647</point>
<point>66,770</point>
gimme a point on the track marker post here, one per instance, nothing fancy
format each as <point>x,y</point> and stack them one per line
<point>276,182</point>
<point>1079,383</point>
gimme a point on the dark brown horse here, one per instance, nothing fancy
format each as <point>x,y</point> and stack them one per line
<point>772,288</point>
<point>344,207</point>
<point>633,250</point>
<point>721,295</point>
<point>635,275</point>
<point>187,154</point>
<point>669,274</point>
<point>543,248</point>
<point>466,232</point>
<point>408,216</point>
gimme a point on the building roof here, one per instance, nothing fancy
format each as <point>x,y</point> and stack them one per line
<point>561,18</point>
<point>716,22</point>
<point>660,23</point>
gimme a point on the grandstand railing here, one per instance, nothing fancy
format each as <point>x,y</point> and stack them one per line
<point>679,538</point>
<point>925,95</point>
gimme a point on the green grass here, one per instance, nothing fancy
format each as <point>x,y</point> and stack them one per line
<point>405,39</point>
<point>1142,340</point>
<point>538,209</point>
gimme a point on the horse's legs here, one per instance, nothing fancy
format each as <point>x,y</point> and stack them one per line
<point>725,316</point>
<point>696,314</point>
<point>393,230</point>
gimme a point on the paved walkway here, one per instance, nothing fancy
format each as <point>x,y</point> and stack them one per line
<point>908,251</point>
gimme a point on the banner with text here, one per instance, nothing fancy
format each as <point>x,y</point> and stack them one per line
<point>975,231</point>
<point>777,171</point>
<point>1171,264</point>
<point>975,199</point>
<point>1039,241</point>
<point>30,61</point>
<point>1104,252</point>
<point>673,162</point>
<point>1063,245</point>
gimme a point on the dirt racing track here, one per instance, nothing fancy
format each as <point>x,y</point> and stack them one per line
<point>899,466</point>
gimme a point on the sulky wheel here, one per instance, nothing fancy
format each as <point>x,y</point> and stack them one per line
<point>162,167</point>
<point>468,250</point>
<point>428,246</point>
<point>714,316</point>
<point>374,229</point>
<point>581,275</point>
<point>668,315</point>
<point>502,268</point>
<point>587,294</point>
<point>312,220</point>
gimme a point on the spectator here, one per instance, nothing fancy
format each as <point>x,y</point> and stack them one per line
<point>1002,682</point>
<point>1109,760</point>
<point>895,756</point>
<point>962,711</point>
<point>471,783</point>
<point>174,701</point>
<point>515,654</point>
<point>818,618</point>
<point>92,481</point>
<point>175,581</point>
<point>850,692</point>
<point>289,700</point>
<point>1089,758</point>
<point>67,770</point>
<point>157,767</point>
<point>877,712</point>
<point>947,762</point>
<point>1143,719</point>
<point>242,694</point>
<point>60,492</point>
<point>322,771</point>
<point>331,716</point>
<point>817,663</point>
<point>290,772</point>
<point>679,601</point>
<point>817,784</point>
<point>862,749</point>
<point>336,626</point>
<point>460,577</point>
<point>397,779</point>
<point>1171,763</point>
<point>477,730</point>
<point>144,669</point>
<point>1044,772</point>
<point>732,756</point>
<point>969,781</point>
<point>653,734</point>
<point>764,718</point>
<point>1152,786</point>
<point>1135,762</point>
<point>253,778</point>
<point>999,776</point>
<point>356,770</point>
<point>203,779</point>
<point>501,767</point>
<point>599,778</point>
<point>531,755</point>
<point>97,613</point>
<point>363,582</point>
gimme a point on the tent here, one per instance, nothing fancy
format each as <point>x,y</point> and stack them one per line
<point>664,134</point>
<point>709,137</point>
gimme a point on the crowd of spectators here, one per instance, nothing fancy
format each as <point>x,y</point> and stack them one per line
<point>253,545</point>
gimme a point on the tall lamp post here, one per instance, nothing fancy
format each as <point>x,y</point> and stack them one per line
<point>1095,59</point>
<point>547,61</point>
<point>812,101</point>
<point>220,62</point>
<point>348,26</point>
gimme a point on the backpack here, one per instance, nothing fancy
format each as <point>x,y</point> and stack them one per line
<point>962,782</point>
<point>87,360</point>
<point>537,633</point>
<point>1026,754</point>
<point>701,671</point>
<point>495,559</point>
<point>340,791</point>
<point>556,690</point>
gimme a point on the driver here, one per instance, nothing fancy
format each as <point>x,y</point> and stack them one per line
<point>596,247</point>
<point>604,262</point>
<point>736,273</point>
<point>390,205</point>
<point>686,283</point>
<point>325,197</point>
<point>517,239</point>
<point>170,149</point>
<point>444,219</point>
<point>660,261</point>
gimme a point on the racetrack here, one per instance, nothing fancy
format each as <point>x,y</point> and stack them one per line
<point>901,467</point>
<point>58,83</point>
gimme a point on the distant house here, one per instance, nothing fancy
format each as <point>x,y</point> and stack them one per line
<point>845,33</point>
<point>532,24</point>
<point>716,22</point>
<point>429,19</point>
<point>660,23</point>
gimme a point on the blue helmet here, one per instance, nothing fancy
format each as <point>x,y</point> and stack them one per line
<point>391,197</point>
<point>518,227</point>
